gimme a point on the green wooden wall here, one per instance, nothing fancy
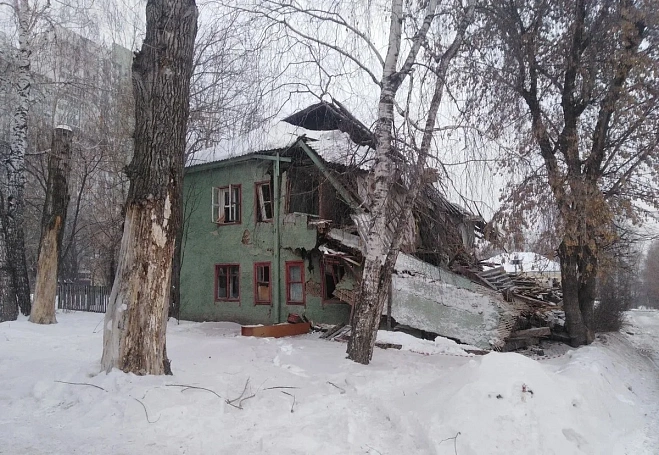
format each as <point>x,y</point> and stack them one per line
<point>207,244</point>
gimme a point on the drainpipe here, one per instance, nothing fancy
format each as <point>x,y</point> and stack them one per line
<point>276,270</point>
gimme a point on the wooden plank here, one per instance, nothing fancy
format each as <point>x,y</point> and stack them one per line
<point>535,332</point>
<point>275,331</point>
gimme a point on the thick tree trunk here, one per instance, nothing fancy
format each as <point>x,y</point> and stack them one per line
<point>136,318</point>
<point>15,168</point>
<point>175,297</point>
<point>576,327</point>
<point>52,227</point>
<point>8,305</point>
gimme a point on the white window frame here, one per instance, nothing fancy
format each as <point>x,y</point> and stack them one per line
<point>226,204</point>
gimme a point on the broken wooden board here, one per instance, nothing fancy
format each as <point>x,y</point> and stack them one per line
<point>536,332</point>
<point>275,331</point>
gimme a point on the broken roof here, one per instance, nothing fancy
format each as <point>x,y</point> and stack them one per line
<point>331,132</point>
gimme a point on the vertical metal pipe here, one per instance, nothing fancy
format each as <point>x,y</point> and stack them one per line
<point>276,269</point>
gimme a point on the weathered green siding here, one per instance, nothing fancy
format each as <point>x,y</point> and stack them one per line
<point>207,244</point>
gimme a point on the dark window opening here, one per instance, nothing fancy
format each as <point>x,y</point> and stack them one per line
<point>333,272</point>
<point>263,202</point>
<point>227,282</point>
<point>303,190</point>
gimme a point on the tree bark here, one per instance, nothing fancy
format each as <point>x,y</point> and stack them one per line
<point>8,305</point>
<point>388,221</point>
<point>15,167</point>
<point>52,227</point>
<point>570,283</point>
<point>136,319</point>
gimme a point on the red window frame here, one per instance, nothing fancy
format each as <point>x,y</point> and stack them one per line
<point>257,214</point>
<point>228,277</point>
<point>324,262</point>
<point>289,265</point>
<point>256,283</point>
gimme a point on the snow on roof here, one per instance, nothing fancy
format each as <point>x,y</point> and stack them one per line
<point>333,146</point>
<point>524,262</point>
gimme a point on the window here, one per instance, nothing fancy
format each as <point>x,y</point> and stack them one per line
<point>333,272</point>
<point>295,283</point>
<point>227,282</point>
<point>263,201</point>
<point>262,291</point>
<point>226,204</point>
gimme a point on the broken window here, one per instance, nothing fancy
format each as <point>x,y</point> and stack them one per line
<point>262,293</point>
<point>295,283</point>
<point>263,201</point>
<point>333,272</point>
<point>227,282</point>
<point>226,204</point>
<point>303,194</point>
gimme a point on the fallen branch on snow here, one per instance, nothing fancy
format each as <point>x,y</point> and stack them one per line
<point>290,395</point>
<point>340,388</point>
<point>186,387</point>
<point>455,442</point>
<point>145,411</point>
<point>82,383</point>
<point>241,398</point>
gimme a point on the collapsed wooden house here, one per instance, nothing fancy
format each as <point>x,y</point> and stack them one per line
<point>271,230</point>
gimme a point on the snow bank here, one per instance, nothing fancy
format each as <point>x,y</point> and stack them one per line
<point>598,400</point>
<point>507,403</point>
<point>441,345</point>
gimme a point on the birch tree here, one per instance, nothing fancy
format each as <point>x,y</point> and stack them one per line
<point>136,318</point>
<point>422,40</point>
<point>28,17</point>
<point>572,84</point>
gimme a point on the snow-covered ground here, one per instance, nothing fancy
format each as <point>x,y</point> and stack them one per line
<point>301,396</point>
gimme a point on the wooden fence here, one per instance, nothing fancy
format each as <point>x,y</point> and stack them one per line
<point>80,297</point>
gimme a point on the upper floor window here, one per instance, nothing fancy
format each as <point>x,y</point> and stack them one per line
<point>226,204</point>
<point>263,201</point>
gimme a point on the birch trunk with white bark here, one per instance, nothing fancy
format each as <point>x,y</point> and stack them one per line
<point>52,227</point>
<point>136,318</point>
<point>384,237</point>
<point>15,164</point>
<point>8,305</point>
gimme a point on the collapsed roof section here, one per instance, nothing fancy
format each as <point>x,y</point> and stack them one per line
<point>325,116</point>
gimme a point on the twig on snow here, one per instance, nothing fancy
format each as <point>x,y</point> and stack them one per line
<point>281,387</point>
<point>99,323</point>
<point>290,395</point>
<point>186,387</point>
<point>145,411</point>
<point>241,398</point>
<point>340,388</point>
<point>455,442</point>
<point>82,383</point>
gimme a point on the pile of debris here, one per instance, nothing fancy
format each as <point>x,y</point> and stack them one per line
<point>341,332</point>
